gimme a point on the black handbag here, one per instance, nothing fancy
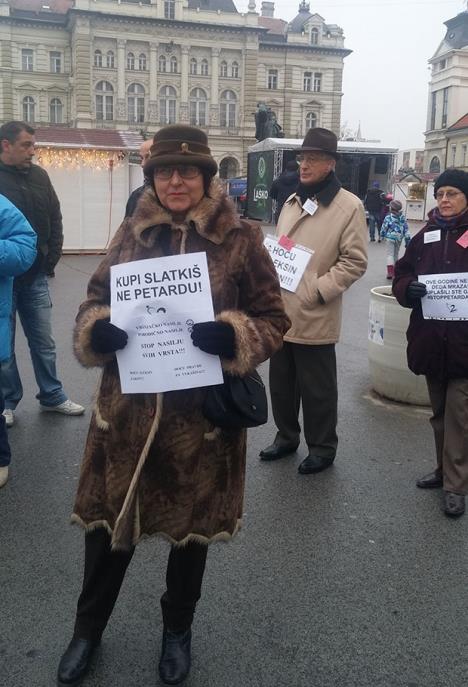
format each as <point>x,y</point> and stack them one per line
<point>238,402</point>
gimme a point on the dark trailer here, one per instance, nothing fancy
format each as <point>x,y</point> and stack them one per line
<point>360,164</point>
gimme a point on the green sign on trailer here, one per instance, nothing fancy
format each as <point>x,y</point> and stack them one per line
<point>260,179</point>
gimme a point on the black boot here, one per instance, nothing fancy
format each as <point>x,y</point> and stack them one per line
<point>75,662</point>
<point>312,464</point>
<point>174,664</point>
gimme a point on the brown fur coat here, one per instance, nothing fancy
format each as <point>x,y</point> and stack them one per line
<point>152,463</point>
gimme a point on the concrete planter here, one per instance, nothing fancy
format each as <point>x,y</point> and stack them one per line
<point>389,372</point>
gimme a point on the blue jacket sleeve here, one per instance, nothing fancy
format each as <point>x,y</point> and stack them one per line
<point>17,241</point>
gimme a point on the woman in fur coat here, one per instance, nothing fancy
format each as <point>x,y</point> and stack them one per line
<point>153,464</point>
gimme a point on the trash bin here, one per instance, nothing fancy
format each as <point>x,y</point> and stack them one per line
<point>390,376</point>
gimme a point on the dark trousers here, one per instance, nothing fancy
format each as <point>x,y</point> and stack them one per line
<point>104,573</point>
<point>5,452</point>
<point>307,374</point>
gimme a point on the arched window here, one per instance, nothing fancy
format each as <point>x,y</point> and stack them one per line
<point>55,111</point>
<point>104,101</point>
<point>130,61</point>
<point>223,69</point>
<point>228,109</point>
<point>97,58</point>
<point>434,166</point>
<point>142,62</point>
<point>136,103</point>
<point>167,105</point>
<point>173,64</point>
<point>162,63</point>
<point>311,120</point>
<point>29,108</point>
<point>204,68</point>
<point>193,66</point>
<point>235,70</point>
<point>228,168</point>
<point>110,59</point>
<point>198,103</point>
<point>314,36</point>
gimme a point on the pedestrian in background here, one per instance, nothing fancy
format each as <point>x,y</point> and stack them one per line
<point>29,188</point>
<point>373,203</point>
<point>17,254</point>
<point>134,197</point>
<point>331,223</point>
<point>438,349</point>
<point>284,186</point>
<point>394,231</point>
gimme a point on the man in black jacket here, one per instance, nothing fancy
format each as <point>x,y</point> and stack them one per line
<point>134,197</point>
<point>284,186</point>
<point>29,188</point>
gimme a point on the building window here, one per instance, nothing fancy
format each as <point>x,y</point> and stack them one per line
<point>198,104</point>
<point>29,109</point>
<point>136,103</point>
<point>97,58</point>
<point>317,82</point>
<point>314,36</point>
<point>142,62</point>
<point>173,65</point>
<point>130,61</point>
<point>228,168</point>
<point>434,166</point>
<point>169,9</point>
<point>162,63</point>
<point>104,101</point>
<point>55,62</point>
<point>193,66</point>
<point>454,154</point>
<point>444,108</point>
<point>307,81</point>
<point>110,60</point>
<point>311,120</point>
<point>272,79</point>
<point>56,111</point>
<point>223,70</point>
<point>433,109</point>
<point>442,64</point>
<point>464,148</point>
<point>235,70</point>
<point>204,68</point>
<point>167,105</point>
<point>27,57</point>
<point>228,109</point>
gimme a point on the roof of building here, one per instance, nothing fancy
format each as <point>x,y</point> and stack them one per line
<point>103,139</point>
<point>53,6</point>
<point>213,5</point>
<point>274,26</point>
<point>297,24</point>
<point>461,123</point>
<point>373,147</point>
<point>457,31</point>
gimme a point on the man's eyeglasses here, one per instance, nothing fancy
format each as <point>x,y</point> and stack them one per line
<point>184,171</point>
<point>311,158</point>
<point>446,194</point>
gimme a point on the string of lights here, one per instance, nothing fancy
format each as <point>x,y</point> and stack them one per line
<point>76,158</point>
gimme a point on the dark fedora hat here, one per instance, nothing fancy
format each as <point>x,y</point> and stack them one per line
<point>179,144</point>
<point>322,140</point>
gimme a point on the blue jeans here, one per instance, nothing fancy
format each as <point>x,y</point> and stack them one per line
<point>32,301</point>
<point>374,224</point>
<point>5,453</point>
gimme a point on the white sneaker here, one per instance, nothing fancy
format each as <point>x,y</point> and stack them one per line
<point>9,417</point>
<point>3,476</point>
<point>66,408</point>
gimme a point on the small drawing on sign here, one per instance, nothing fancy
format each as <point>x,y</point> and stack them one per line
<point>451,307</point>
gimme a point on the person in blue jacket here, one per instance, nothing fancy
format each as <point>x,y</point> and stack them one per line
<point>17,254</point>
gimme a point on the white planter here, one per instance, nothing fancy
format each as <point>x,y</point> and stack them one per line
<point>389,372</point>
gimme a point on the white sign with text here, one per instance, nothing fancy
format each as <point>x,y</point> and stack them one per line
<point>157,301</point>
<point>289,259</point>
<point>447,296</point>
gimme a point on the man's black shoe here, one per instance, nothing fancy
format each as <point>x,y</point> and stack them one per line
<point>433,480</point>
<point>313,464</point>
<point>75,662</point>
<point>454,504</point>
<point>174,664</point>
<point>276,451</point>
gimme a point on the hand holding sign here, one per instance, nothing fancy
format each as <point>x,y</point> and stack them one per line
<point>107,338</point>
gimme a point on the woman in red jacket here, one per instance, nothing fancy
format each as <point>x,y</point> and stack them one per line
<point>438,349</point>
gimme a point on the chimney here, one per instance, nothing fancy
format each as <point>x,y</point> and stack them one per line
<point>268,9</point>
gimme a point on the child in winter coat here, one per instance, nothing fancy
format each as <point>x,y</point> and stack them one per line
<point>394,230</point>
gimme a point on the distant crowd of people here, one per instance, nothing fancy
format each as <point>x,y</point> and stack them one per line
<point>156,464</point>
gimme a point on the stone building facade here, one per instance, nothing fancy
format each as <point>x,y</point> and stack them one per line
<point>140,65</point>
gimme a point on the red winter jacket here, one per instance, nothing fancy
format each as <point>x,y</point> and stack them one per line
<point>436,348</point>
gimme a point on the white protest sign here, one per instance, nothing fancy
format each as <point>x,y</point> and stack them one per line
<point>290,262</point>
<point>157,301</point>
<point>447,296</point>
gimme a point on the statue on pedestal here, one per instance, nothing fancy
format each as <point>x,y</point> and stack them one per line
<point>266,124</point>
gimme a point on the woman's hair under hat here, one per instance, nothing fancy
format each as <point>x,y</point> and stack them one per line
<point>179,144</point>
<point>453,177</point>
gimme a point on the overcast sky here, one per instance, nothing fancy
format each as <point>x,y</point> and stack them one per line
<point>385,81</point>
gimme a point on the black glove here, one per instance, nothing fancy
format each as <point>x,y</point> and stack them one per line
<point>415,291</point>
<point>217,338</point>
<point>106,337</point>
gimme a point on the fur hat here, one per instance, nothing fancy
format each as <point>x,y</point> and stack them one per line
<point>179,144</point>
<point>395,206</point>
<point>322,140</point>
<point>453,177</point>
